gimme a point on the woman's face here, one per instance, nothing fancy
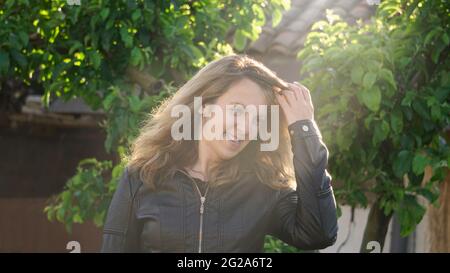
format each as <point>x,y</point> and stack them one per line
<point>235,137</point>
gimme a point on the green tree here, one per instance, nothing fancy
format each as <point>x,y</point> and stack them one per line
<point>382,97</point>
<point>115,55</point>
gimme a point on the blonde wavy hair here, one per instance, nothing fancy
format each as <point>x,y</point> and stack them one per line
<point>155,156</point>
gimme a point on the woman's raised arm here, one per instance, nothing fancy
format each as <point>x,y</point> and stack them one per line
<point>306,217</point>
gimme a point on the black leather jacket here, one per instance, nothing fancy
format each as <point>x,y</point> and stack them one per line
<point>234,217</point>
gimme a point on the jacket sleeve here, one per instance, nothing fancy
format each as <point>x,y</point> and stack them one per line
<point>120,232</point>
<point>306,217</point>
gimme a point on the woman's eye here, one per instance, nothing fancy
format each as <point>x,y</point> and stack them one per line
<point>237,109</point>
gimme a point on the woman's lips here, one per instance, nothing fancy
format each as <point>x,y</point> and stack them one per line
<point>233,142</point>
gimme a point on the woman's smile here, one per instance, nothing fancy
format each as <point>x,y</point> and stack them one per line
<point>233,143</point>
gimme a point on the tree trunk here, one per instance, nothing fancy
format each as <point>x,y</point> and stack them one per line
<point>376,229</point>
<point>439,229</point>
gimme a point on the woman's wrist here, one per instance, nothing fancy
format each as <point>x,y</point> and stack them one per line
<point>304,128</point>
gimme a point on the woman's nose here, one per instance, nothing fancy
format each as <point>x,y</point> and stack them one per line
<point>242,128</point>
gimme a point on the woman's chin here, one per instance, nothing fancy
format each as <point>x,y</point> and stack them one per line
<point>231,149</point>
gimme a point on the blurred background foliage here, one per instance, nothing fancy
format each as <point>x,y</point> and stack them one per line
<point>382,97</point>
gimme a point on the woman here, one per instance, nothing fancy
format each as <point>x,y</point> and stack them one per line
<point>225,195</point>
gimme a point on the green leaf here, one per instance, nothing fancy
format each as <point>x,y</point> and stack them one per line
<point>360,197</point>
<point>368,120</point>
<point>342,139</point>
<point>420,108</point>
<point>19,58</point>
<point>96,59</point>
<point>60,214</point>
<point>136,15</point>
<point>436,53</point>
<point>75,47</point>
<point>196,51</point>
<point>239,40</point>
<point>23,38</point>
<point>402,163</point>
<point>313,63</point>
<point>397,121</point>
<point>372,98</point>
<point>381,132</point>
<point>436,113</point>
<point>446,38</point>
<point>419,163</point>
<point>104,13</point>
<point>408,99</point>
<point>136,56</point>
<point>373,66</point>
<point>357,74</point>
<point>77,219</point>
<point>431,35</point>
<point>9,3</point>
<point>387,75</point>
<point>276,17</point>
<point>4,62</point>
<point>107,102</point>
<point>126,37</point>
<point>428,194</point>
<point>369,79</point>
<point>135,103</point>
<point>99,218</point>
<point>373,54</point>
<point>410,214</point>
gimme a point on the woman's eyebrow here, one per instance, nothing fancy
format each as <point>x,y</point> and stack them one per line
<point>235,102</point>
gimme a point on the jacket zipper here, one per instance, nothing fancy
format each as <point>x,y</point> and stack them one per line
<point>202,209</point>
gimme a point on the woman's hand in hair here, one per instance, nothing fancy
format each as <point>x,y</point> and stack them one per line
<point>296,103</point>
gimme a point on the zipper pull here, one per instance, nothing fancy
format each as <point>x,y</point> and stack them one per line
<point>202,200</point>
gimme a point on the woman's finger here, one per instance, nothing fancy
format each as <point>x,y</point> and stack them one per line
<point>290,96</point>
<point>282,101</point>
<point>305,92</point>
<point>302,91</point>
<point>297,91</point>
<point>292,87</point>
